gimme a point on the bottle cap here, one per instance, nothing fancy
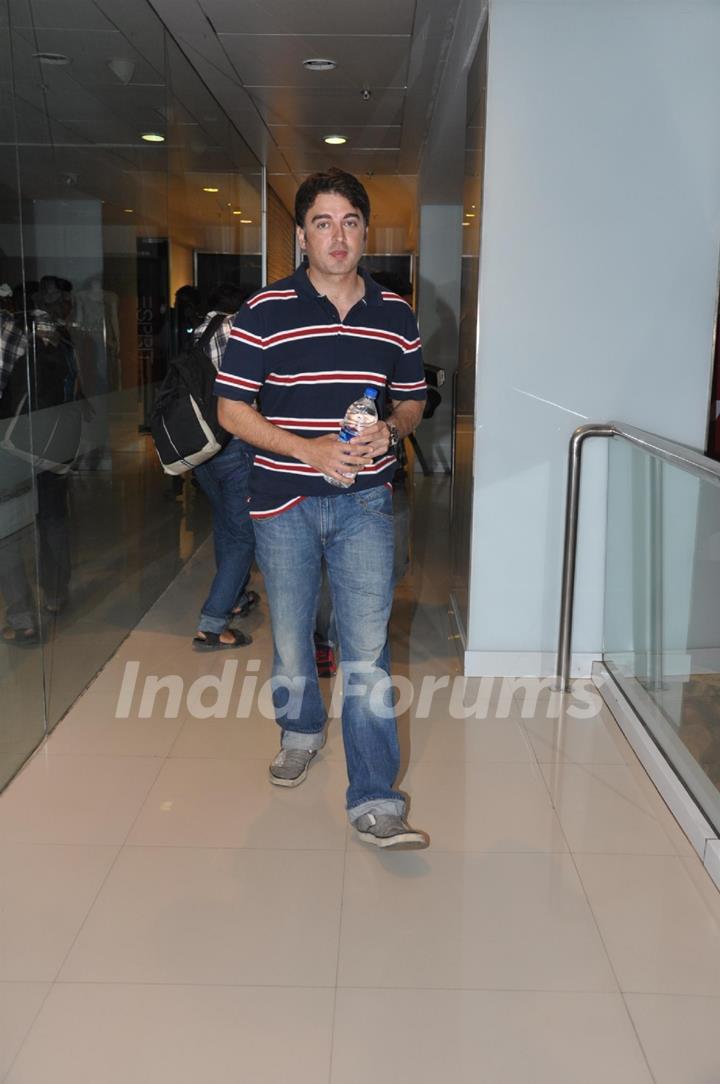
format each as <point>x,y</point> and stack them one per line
<point>370,393</point>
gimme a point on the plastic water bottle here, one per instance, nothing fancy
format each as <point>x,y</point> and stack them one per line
<point>358,416</point>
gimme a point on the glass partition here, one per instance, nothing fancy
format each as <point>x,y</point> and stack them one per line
<point>126,194</point>
<point>464,378</point>
<point>22,714</point>
<point>662,610</point>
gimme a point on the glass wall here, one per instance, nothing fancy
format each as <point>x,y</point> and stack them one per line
<point>126,194</point>
<point>464,386</point>
<point>662,610</point>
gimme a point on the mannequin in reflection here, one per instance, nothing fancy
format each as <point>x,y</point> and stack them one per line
<point>96,336</point>
<point>96,312</point>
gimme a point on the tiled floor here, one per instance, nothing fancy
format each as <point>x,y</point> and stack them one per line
<point>167,916</point>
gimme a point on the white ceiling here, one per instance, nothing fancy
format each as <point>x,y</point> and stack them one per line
<point>249,55</point>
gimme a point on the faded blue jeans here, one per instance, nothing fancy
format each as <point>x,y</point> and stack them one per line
<point>353,532</point>
<point>224,480</point>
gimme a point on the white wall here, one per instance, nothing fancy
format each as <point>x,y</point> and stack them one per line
<point>601,235</point>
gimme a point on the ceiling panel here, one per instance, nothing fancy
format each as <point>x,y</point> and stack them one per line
<point>312,135</point>
<point>81,14</point>
<point>310,16</point>
<point>354,161</point>
<point>277,61</point>
<point>90,52</point>
<point>338,108</point>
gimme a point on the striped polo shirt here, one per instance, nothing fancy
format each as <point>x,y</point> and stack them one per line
<point>289,348</point>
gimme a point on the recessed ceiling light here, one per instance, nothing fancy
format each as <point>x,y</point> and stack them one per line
<point>246,221</point>
<point>128,210</point>
<point>319,64</point>
<point>237,212</point>
<point>52,58</point>
<point>211,189</point>
<point>466,223</point>
<point>469,214</point>
<point>335,140</point>
<point>153,137</point>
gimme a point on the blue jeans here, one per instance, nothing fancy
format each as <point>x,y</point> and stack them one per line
<point>353,532</point>
<point>224,480</point>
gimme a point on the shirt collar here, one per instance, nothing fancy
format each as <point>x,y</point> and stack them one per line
<point>303,285</point>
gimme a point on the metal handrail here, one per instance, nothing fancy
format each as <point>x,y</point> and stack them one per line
<point>669,450</point>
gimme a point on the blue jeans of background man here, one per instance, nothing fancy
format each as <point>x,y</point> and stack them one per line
<point>224,479</point>
<point>353,532</point>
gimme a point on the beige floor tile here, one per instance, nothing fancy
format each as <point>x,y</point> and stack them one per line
<point>75,799</point>
<point>490,741</point>
<point>254,737</point>
<point>507,1037</point>
<point>660,810</point>
<point>89,1034</point>
<point>92,727</point>
<point>241,917</point>
<point>580,741</point>
<point>679,1035</point>
<point>45,894</point>
<point>484,921</point>
<point>19,1005</point>
<point>231,803</point>
<point>659,934</point>
<point>482,807</point>
<point>706,887</point>
<point>603,810</point>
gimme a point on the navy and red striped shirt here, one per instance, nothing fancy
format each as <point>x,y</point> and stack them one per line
<point>289,347</point>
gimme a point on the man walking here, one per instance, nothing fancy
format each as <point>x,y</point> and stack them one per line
<point>311,344</point>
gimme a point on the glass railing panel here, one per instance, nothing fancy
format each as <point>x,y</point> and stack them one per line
<point>662,610</point>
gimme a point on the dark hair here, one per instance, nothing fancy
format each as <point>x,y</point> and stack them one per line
<point>333,180</point>
<point>227,297</point>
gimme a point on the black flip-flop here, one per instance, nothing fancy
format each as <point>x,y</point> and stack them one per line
<point>210,641</point>
<point>20,637</point>
<point>252,598</point>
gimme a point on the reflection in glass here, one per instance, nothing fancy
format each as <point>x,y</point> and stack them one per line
<point>464,388</point>
<point>102,235</point>
<point>662,610</point>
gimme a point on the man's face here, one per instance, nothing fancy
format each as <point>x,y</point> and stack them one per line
<point>333,237</point>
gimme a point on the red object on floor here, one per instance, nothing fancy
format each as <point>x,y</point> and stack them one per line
<point>325,659</point>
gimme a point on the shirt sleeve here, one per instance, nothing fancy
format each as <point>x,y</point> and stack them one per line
<point>408,379</point>
<point>242,370</point>
<point>13,346</point>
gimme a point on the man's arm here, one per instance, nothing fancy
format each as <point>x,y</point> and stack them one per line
<point>326,454</point>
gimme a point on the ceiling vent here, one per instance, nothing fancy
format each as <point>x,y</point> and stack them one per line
<point>52,58</point>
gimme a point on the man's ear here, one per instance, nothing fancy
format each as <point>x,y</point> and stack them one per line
<point>301,238</point>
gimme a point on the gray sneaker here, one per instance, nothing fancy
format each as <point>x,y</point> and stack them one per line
<point>390,830</point>
<point>290,766</point>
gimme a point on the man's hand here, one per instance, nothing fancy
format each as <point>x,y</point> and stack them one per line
<point>336,458</point>
<point>375,438</point>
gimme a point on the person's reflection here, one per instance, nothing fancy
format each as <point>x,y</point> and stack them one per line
<point>42,431</point>
<point>189,312</point>
<point>17,501</point>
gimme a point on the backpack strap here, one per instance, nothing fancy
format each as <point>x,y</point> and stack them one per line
<point>210,330</point>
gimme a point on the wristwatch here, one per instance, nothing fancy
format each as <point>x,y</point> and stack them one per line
<point>394,434</point>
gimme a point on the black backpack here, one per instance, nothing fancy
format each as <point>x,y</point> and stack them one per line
<point>184,422</point>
